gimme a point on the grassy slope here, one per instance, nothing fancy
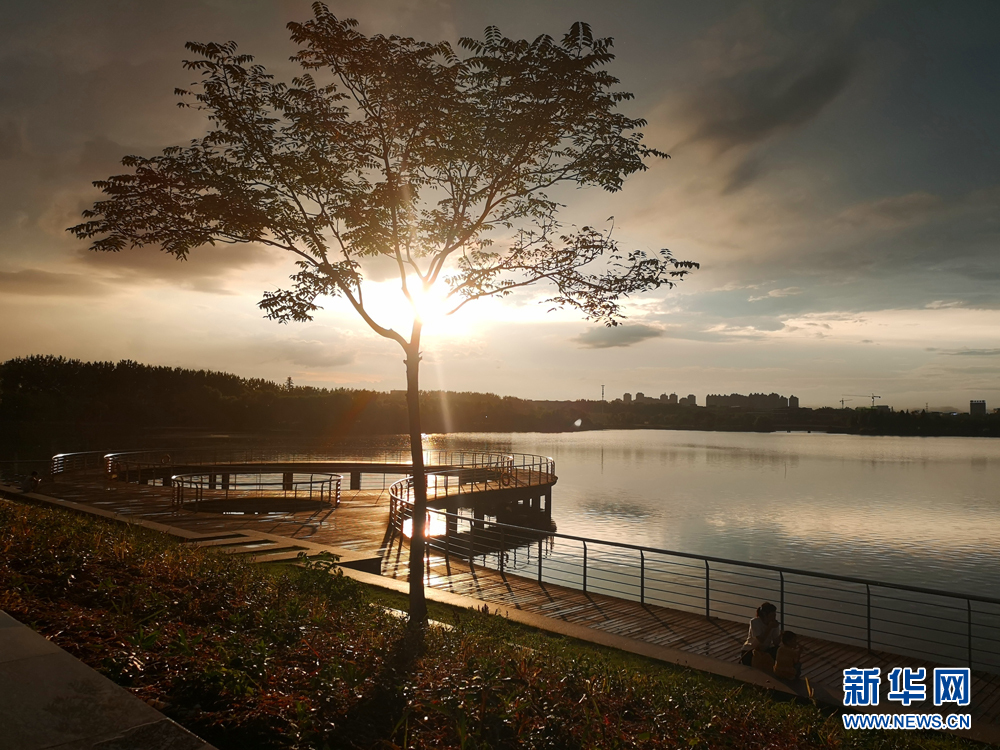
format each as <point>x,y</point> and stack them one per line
<point>251,658</point>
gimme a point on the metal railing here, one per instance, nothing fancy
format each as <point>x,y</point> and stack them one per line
<point>197,488</point>
<point>476,472</point>
<point>911,620</point>
<point>80,461</point>
<point>133,463</point>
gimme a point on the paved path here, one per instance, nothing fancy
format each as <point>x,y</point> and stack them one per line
<point>50,699</point>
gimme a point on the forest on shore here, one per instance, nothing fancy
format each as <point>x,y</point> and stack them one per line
<point>50,404</point>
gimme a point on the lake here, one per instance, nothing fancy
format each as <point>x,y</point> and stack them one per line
<point>919,511</point>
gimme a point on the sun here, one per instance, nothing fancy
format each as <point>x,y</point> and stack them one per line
<point>432,304</point>
<point>390,306</point>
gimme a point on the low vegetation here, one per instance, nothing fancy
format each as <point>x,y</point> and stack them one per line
<point>248,657</point>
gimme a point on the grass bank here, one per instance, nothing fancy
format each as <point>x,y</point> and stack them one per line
<point>292,658</point>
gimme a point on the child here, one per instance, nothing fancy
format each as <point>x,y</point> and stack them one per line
<point>788,662</point>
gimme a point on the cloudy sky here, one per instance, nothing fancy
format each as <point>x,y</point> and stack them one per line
<point>835,170</point>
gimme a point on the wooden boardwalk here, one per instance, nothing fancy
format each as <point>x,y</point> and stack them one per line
<point>360,524</point>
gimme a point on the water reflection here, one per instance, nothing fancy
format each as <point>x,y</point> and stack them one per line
<point>922,511</point>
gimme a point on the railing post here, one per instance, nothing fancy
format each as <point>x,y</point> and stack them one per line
<point>968,604</point>
<point>539,560</point>
<point>868,616</point>
<point>584,566</point>
<point>447,539</point>
<point>783,623</point>
<point>472,545</point>
<point>642,577</point>
<point>708,592</point>
<point>503,548</point>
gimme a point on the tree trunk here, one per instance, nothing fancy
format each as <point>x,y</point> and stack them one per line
<point>418,604</point>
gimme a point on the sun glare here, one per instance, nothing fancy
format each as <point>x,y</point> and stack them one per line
<point>432,304</point>
<point>391,307</point>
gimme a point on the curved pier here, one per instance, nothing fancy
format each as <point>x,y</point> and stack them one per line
<point>510,486</point>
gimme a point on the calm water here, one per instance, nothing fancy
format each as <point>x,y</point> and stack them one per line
<point>920,511</point>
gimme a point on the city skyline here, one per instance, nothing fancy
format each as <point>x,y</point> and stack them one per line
<point>833,170</point>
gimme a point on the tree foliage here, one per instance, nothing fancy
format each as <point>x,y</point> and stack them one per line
<point>403,149</point>
<point>443,160</point>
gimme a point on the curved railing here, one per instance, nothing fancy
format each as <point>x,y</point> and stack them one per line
<point>477,472</point>
<point>80,461</point>
<point>132,462</point>
<point>449,472</point>
<point>197,488</point>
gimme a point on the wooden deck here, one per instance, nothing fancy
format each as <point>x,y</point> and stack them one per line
<point>360,524</point>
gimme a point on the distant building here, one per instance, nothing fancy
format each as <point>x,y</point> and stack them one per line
<point>755,401</point>
<point>664,397</point>
<point>688,400</point>
<point>977,408</point>
<point>640,396</point>
<point>883,407</point>
<point>672,399</point>
<point>793,402</point>
<point>627,398</point>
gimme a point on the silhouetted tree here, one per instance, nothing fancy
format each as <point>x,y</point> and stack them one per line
<point>388,146</point>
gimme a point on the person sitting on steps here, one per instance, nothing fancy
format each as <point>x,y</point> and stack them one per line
<point>30,484</point>
<point>762,637</point>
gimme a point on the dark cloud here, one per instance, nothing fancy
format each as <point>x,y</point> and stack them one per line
<point>624,335</point>
<point>747,172</point>
<point>206,269</point>
<point>38,283</point>
<point>896,212</point>
<point>977,353</point>
<point>11,140</point>
<point>308,353</point>
<point>749,107</point>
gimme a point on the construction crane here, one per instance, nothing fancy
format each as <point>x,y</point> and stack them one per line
<point>843,401</point>
<point>872,396</point>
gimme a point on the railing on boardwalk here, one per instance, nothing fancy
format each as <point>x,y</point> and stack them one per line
<point>65,462</point>
<point>470,471</point>
<point>193,489</point>
<point>132,464</point>
<point>949,628</point>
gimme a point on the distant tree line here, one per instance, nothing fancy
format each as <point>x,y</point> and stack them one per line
<point>50,404</point>
<point>65,404</point>
<point>923,423</point>
<point>619,414</point>
<point>662,415</point>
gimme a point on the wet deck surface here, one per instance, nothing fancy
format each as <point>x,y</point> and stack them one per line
<point>360,524</point>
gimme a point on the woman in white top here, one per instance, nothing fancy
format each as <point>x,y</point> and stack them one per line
<point>764,633</point>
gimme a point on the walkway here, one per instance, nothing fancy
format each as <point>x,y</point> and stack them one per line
<point>50,699</point>
<point>358,524</point>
